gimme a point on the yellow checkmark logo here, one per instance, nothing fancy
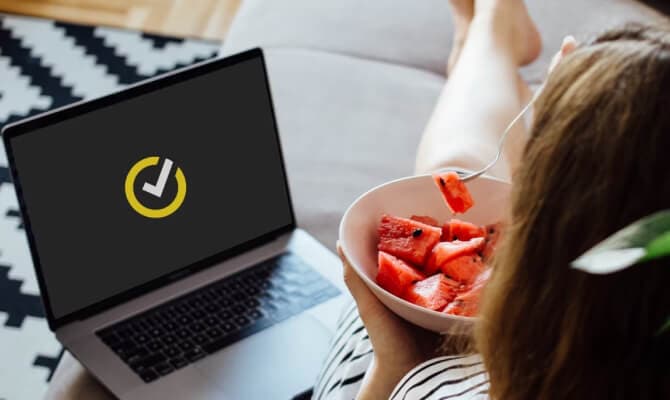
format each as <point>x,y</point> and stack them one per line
<point>155,189</point>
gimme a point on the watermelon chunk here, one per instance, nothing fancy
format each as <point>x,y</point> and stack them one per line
<point>455,194</point>
<point>410,240</point>
<point>444,252</point>
<point>467,303</point>
<point>460,230</point>
<point>395,275</point>
<point>425,220</point>
<point>464,269</point>
<point>433,293</point>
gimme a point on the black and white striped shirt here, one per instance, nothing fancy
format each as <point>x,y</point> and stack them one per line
<point>453,377</point>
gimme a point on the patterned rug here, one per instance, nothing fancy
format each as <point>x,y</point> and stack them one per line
<point>46,64</point>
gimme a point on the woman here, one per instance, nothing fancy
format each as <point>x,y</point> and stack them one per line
<point>593,163</point>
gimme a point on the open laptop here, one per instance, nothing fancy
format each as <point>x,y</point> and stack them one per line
<point>164,240</point>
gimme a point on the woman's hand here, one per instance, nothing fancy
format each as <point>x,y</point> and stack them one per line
<point>398,345</point>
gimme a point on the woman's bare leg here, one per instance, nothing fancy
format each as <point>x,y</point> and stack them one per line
<point>484,92</point>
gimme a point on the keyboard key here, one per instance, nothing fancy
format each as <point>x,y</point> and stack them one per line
<point>178,362</point>
<point>214,333</point>
<point>241,320</point>
<point>169,326</point>
<point>225,303</point>
<point>148,375</point>
<point>198,314</point>
<point>225,315</point>
<point>164,368</point>
<point>255,314</point>
<point>212,308</point>
<point>110,338</point>
<point>223,341</point>
<point>200,339</point>
<point>252,303</point>
<point>141,338</point>
<point>183,333</point>
<point>239,309</point>
<point>156,332</point>
<point>186,345</point>
<point>238,296</point>
<point>196,327</point>
<point>195,354</point>
<point>195,303</point>
<point>182,308</point>
<point>136,356</point>
<point>169,339</point>
<point>125,333</point>
<point>252,291</point>
<point>148,362</point>
<point>124,345</point>
<point>208,296</point>
<point>184,320</point>
<point>154,346</point>
<point>172,351</point>
<point>227,327</point>
<point>211,321</point>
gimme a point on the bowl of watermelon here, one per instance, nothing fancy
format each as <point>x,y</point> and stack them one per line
<point>425,252</point>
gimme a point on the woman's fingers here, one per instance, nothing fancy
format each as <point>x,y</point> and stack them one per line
<point>371,310</point>
<point>569,45</point>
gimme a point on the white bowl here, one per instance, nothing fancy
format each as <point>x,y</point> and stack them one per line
<point>405,197</point>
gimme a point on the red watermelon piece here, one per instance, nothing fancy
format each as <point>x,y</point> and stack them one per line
<point>410,240</point>
<point>456,229</point>
<point>433,293</point>
<point>395,275</point>
<point>467,303</point>
<point>424,219</point>
<point>455,194</point>
<point>464,269</point>
<point>444,252</point>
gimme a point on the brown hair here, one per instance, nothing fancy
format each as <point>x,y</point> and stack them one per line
<point>598,159</point>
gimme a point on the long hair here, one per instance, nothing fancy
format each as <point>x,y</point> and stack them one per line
<point>598,159</point>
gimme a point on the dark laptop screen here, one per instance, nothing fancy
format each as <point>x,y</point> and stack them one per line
<point>122,195</point>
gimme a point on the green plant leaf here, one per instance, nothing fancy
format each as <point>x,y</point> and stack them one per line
<point>643,240</point>
<point>659,247</point>
<point>665,328</point>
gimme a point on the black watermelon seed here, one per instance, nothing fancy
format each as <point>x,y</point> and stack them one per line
<point>442,182</point>
<point>417,232</point>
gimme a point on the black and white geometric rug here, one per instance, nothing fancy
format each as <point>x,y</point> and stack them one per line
<point>45,64</point>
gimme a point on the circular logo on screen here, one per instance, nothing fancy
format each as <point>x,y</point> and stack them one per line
<point>150,189</point>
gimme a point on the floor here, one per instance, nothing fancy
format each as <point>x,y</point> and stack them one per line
<point>207,19</point>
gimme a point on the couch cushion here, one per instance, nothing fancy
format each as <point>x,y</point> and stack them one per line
<point>346,125</point>
<point>412,33</point>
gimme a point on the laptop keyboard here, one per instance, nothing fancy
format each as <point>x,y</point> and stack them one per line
<point>182,331</point>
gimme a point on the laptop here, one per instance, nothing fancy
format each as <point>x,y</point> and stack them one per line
<point>165,243</point>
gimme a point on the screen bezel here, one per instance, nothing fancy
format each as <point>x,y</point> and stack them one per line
<point>80,108</point>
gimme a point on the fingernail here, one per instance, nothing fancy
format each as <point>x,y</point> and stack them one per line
<point>569,39</point>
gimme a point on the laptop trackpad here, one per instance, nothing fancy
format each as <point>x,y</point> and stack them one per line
<point>277,363</point>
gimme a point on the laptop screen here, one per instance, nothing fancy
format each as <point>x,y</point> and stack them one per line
<point>136,190</point>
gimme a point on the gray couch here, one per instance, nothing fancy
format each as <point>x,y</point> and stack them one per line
<point>355,81</point>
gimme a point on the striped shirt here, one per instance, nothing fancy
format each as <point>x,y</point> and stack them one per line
<point>453,377</point>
